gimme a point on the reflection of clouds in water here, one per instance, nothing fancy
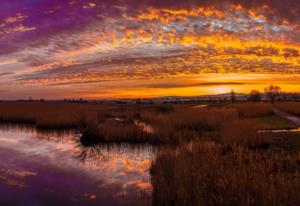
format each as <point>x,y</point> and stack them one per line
<point>8,140</point>
<point>109,166</point>
<point>14,178</point>
<point>124,164</point>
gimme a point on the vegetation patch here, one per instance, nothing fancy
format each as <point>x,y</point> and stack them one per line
<point>212,174</point>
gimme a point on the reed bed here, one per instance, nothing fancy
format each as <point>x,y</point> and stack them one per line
<point>251,110</point>
<point>51,115</point>
<point>186,124</point>
<point>180,125</point>
<point>220,158</point>
<point>213,174</point>
<point>243,132</point>
<point>169,124</point>
<point>290,107</point>
<point>95,131</point>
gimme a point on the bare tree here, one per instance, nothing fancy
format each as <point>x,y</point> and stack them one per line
<point>272,92</point>
<point>254,96</point>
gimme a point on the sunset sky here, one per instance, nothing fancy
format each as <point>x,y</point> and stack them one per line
<point>147,48</point>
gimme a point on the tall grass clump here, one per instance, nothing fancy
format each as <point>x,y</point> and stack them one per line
<point>186,124</point>
<point>98,129</point>
<point>181,125</point>
<point>113,132</point>
<point>212,174</point>
<point>243,132</point>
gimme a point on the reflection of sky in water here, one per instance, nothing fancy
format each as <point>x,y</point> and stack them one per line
<point>52,168</point>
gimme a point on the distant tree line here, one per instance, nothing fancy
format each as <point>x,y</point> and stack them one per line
<point>80,100</point>
<point>272,93</point>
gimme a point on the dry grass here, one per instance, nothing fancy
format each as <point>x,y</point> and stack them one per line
<point>236,166</point>
<point>183,124</point>
<point>53,115</point>
<point>210,174</point>
<point>250,110</point>
<point>114,132</point>
<point>235,125</point>
<point>291,107</point>
<point>243,132</point>
<point>186,124</point>
<point>41,114</point>
<point>95,131</point>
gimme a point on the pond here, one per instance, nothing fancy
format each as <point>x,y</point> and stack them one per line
<point>53,168</point>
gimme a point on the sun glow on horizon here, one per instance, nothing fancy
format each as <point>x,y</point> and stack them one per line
<point>104,49</point>
<point>220,90</point>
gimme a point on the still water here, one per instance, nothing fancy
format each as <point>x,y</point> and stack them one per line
<point>53,168</point>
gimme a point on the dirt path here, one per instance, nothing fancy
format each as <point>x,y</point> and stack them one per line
<point>292,118</point>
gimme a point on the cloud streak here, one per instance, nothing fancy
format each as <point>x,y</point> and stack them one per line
<point>74,41</point>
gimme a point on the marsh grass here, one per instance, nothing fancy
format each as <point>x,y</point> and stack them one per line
<point>182,125</point>
<point>212,174</point>
<point>43,115</point>
<point>214,155</point>
<point>290,107</point>
<point>235,124</point>
<point>94,132</point>
<point>187,123</point>
<point>271,122</point>
<point>243,132</point>
<point>52,115</point>
<point>252,110</point>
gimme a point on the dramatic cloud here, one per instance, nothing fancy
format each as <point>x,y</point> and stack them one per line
<point>51,43</point>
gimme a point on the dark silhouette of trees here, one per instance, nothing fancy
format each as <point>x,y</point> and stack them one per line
<point>272,92</point>
<point>232,96</point>
<point>254,96</point>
